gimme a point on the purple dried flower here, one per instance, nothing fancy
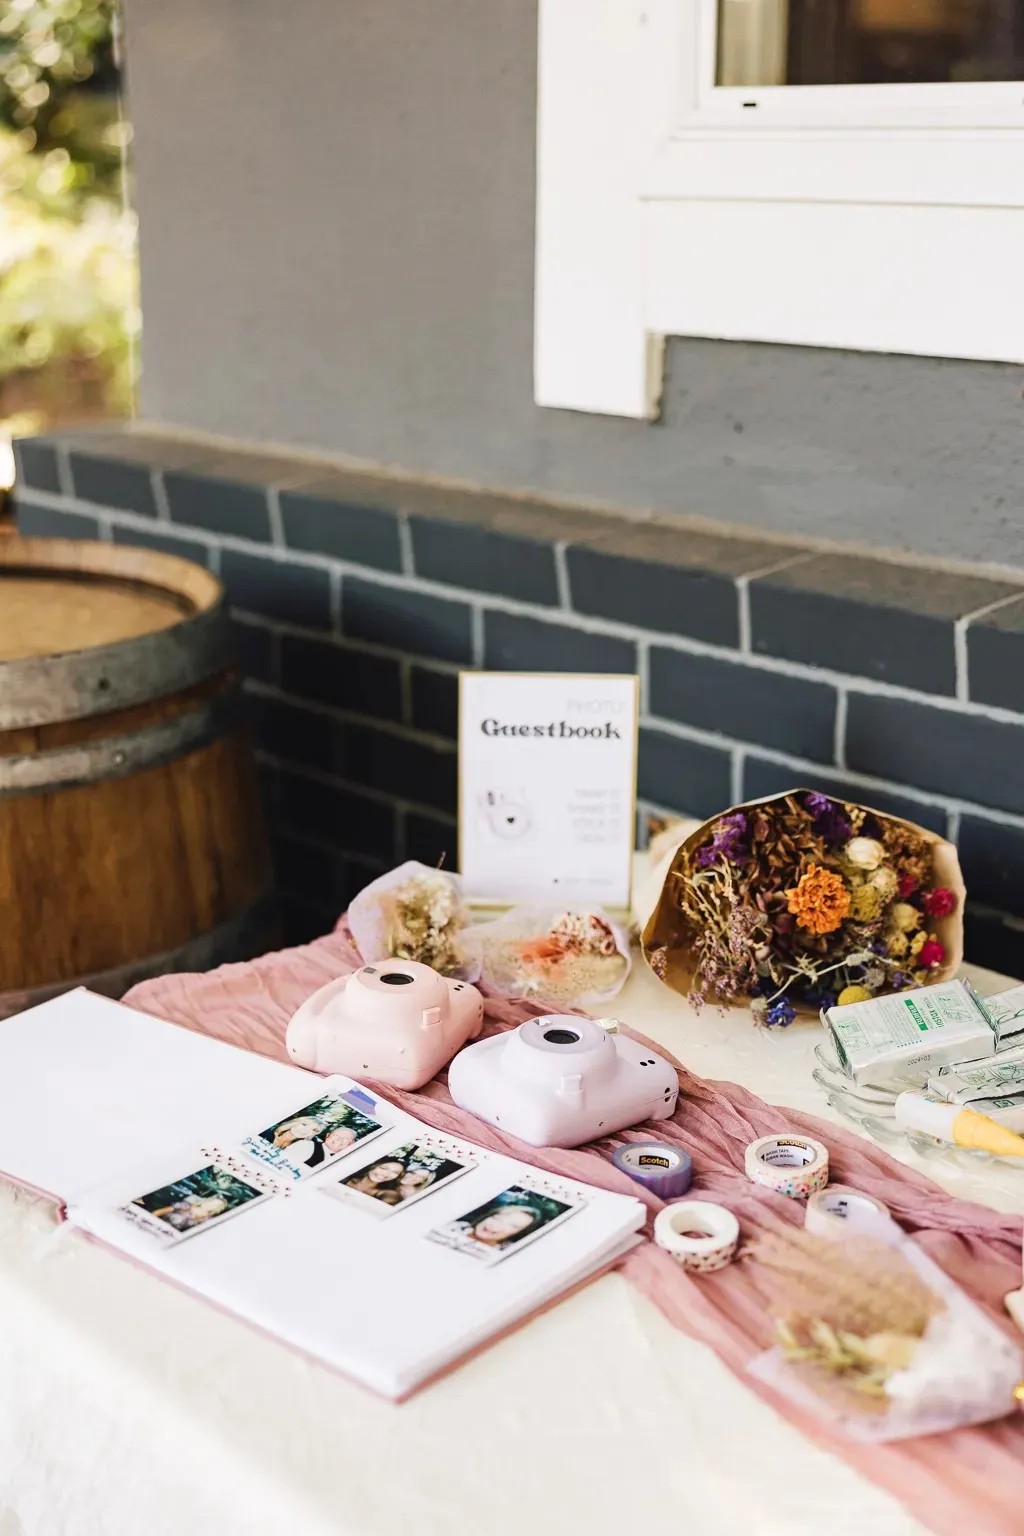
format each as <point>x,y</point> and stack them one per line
<point>727,841</point>
<point>780,1014</point>
<point>830,820</point>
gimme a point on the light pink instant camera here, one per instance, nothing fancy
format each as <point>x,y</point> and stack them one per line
<point>560,1080</point>
<point>397,1021</point>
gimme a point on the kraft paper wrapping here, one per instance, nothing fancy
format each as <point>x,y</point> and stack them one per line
<point>667,928</point>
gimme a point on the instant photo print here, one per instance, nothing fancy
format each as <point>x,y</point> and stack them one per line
<point>312,1138</point>
<point>193,1204</point>
<point>399,1177</point>
<point>505,1224</point>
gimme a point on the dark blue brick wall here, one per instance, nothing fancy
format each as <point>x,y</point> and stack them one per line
<point>763,664</point>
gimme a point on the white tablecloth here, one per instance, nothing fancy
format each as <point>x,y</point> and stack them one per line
<point>129,1409</point>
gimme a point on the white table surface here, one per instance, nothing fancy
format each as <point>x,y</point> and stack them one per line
<point>127,1407</point>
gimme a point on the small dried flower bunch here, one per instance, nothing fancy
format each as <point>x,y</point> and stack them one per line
<point>848,1315</point>
<point>804,901</point>
<point>564,957</point>
<point>412,913</point>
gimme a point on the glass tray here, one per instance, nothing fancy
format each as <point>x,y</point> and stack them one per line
<point>872,1108</point>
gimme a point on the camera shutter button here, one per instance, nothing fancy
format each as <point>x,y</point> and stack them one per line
<point>572,1082</point>
<point>431,1017</point>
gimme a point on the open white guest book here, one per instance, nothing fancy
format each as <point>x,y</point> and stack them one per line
<point>305,1205</point>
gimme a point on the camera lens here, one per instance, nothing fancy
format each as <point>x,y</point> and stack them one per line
<point>561,1036</point>
<point>397,978</point>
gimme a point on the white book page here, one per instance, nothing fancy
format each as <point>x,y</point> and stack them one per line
<point>88,1087</point>
<point>375,1299</point>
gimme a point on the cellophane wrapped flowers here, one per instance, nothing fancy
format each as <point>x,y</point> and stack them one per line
<point>563,957</point>
<point>873,1336</point>
<point>413,913</point>
<point>804,901</point>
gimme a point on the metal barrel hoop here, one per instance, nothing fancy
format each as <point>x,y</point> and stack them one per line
<point>118,756</point>
<point>41,690</point>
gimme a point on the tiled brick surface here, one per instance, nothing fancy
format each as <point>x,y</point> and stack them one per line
<point>434,700</point>
<point>869,678</point>
<point>746,703</point>
<point>871,618</point>
<point>514,643</point>
<point>485,560</point>
<point>406,620</point>
<point>995,651</point>
<point>36,520</point>
<point>295,594</point>
<point>947,751</point>
<point>676,773</point>
<point>345,677</point>
<point>320,523</point>
<point>36,464</point>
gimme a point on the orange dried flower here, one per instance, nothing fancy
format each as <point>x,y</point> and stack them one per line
<point>820,900</point>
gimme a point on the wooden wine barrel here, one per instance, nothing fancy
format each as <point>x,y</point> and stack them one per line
<point>131,831</point>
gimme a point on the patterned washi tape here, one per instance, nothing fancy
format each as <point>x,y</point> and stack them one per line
<point>700,1236</point>
<point>790,1165</point>
<point>838,1211</point>
<point>665,1171</point>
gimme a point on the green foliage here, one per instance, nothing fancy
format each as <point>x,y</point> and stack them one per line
<point>67,280</point>
<point>67,267</point>
<point>55,58</point>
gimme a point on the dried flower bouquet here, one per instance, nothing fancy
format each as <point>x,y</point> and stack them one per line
<point>802,901</point>
<point>873,1336</point>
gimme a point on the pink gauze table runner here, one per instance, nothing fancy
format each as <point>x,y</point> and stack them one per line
<point>969,1481</point>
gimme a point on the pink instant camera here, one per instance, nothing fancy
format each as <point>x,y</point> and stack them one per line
<point>560,1080</point>
<point>397,1021</point>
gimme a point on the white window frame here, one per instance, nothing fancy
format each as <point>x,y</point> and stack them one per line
<point>869,218</point>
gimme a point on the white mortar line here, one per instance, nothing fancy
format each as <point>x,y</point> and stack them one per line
<point>960,669</point>
<point>839,748</point>
<point>643,668</point>
<point>736,775</point>
<point>276,520</point>
<point>477,642</point>
<point>746,644</point>
<point>953,827</point>
<point>335,598</point>
<point>160,501</point>
<point>960,652</point>
<point>562,575</point>
<point>405,546</point>
<point>64,480</point>
<point>587,623</point>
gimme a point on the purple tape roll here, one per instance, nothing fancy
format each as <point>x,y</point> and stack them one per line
<point>666,1171</point>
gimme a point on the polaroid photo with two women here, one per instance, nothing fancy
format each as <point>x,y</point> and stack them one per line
<point>400,1177</point>
<point>316,1135</point>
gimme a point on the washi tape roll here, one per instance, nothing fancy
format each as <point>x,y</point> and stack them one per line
<point>666,1171</point>
<point>700,1236</point>
<point>838,1210</point>
<point>790,1165</point>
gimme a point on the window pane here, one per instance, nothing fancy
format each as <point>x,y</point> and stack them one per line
<point>869,42</point>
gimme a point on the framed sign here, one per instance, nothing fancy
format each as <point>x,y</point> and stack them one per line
<point>547,786</point>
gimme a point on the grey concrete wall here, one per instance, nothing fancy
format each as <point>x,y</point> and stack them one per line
<point>336,205</point>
